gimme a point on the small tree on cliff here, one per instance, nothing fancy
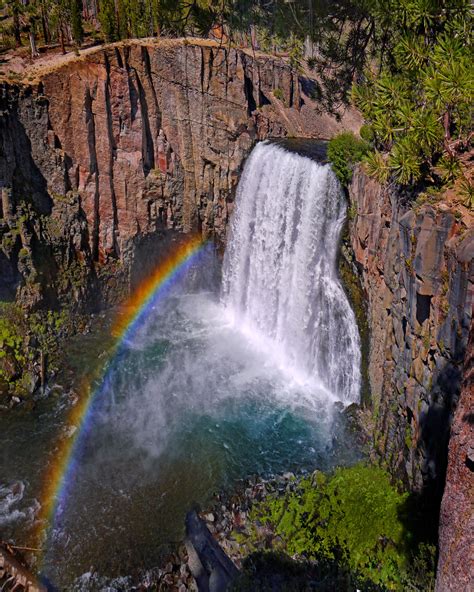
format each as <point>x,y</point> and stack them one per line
<point>76,21</point>
<point>108,20</point>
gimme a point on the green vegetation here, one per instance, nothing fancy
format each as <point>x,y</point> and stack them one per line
<point>278,94</point>
<point>415,90</point>
<point>13,356</point>
<point>67,21</point>
<point>345,150</point>
<point>52,20</point>
<point>23,339</point>
<point>355,517</point>
<point>11,340</point>
<point>417,101</point>
<point>76,21</point>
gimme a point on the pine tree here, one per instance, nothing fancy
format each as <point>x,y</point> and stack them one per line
<point>10,27</point>
<point>107,19</point>
<point>419,104</point>
<point>76,21</point>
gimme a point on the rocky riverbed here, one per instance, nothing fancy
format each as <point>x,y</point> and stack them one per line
<point>227,515</point>
<point>227,518</point>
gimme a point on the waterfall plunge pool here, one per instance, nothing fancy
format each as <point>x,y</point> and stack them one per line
<point>217,385</point>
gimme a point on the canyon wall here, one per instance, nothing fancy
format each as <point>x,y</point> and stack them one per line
<point>129,140</point>
<point>456,530</point>
<point>416,264</point>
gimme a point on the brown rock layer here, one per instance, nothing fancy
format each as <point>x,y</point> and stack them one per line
<point>456,532</point>
<point>416,264</point>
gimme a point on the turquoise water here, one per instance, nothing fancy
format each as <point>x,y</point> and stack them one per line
<point>193,405</point>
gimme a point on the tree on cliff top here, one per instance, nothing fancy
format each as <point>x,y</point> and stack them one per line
<point>417,99</point>
<point>23,18</point>
<point>76,21</point>
<point>108,20</point>
<point>53,20</point>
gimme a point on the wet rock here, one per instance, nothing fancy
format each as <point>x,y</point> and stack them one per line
<point>210,566</point>
<point>168,568</point>
<point>209,517</point>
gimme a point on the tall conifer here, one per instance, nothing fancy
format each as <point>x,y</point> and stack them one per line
<point>76,21</point>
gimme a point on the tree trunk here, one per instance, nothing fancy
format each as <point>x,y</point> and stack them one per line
<point>44,26</point>
<point>16,28</point>
<point>34,50</point>
<point>61,40</point>
<point>447,132</point>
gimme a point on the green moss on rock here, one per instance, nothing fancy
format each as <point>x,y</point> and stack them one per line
<point>355,517</point>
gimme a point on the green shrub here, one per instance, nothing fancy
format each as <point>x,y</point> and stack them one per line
<point>22,337</point>
<point>10,340</point>
<point>12,352</point>
<point>466,192</point>
<point>354,516</point>
<point>376,166</point>
<point>278,94</point>
<point>344,151</point>
<point>366,133</point>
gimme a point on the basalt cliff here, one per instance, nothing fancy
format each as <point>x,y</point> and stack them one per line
<point>415,260</point>
<point>127,142</point>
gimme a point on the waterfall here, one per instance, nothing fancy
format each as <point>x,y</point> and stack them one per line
<point>280,282</point>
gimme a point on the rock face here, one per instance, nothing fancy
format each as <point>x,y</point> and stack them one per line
<point>211,567</point>
<point>137,138</point>
<point>456,534</point>
<point>416,265</point>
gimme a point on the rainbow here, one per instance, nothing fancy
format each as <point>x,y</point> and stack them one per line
<point>60,475</point>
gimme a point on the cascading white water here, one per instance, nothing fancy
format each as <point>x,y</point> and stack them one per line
<point>280,282</point>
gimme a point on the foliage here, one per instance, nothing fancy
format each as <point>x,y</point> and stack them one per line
<point>53,20</point>
<point>108,20</point>
<point>355,517</point>
<point>13,356</point>
<point>345,150</point>
<point>76,21</point>
<point>418,102</point>
<point>466,190</point>
<point>295,49</point>
<point>278,94</point>
<point>22,338</point>
<point>376,165</point>
<point>46,326</point>
<point>11,340</point>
